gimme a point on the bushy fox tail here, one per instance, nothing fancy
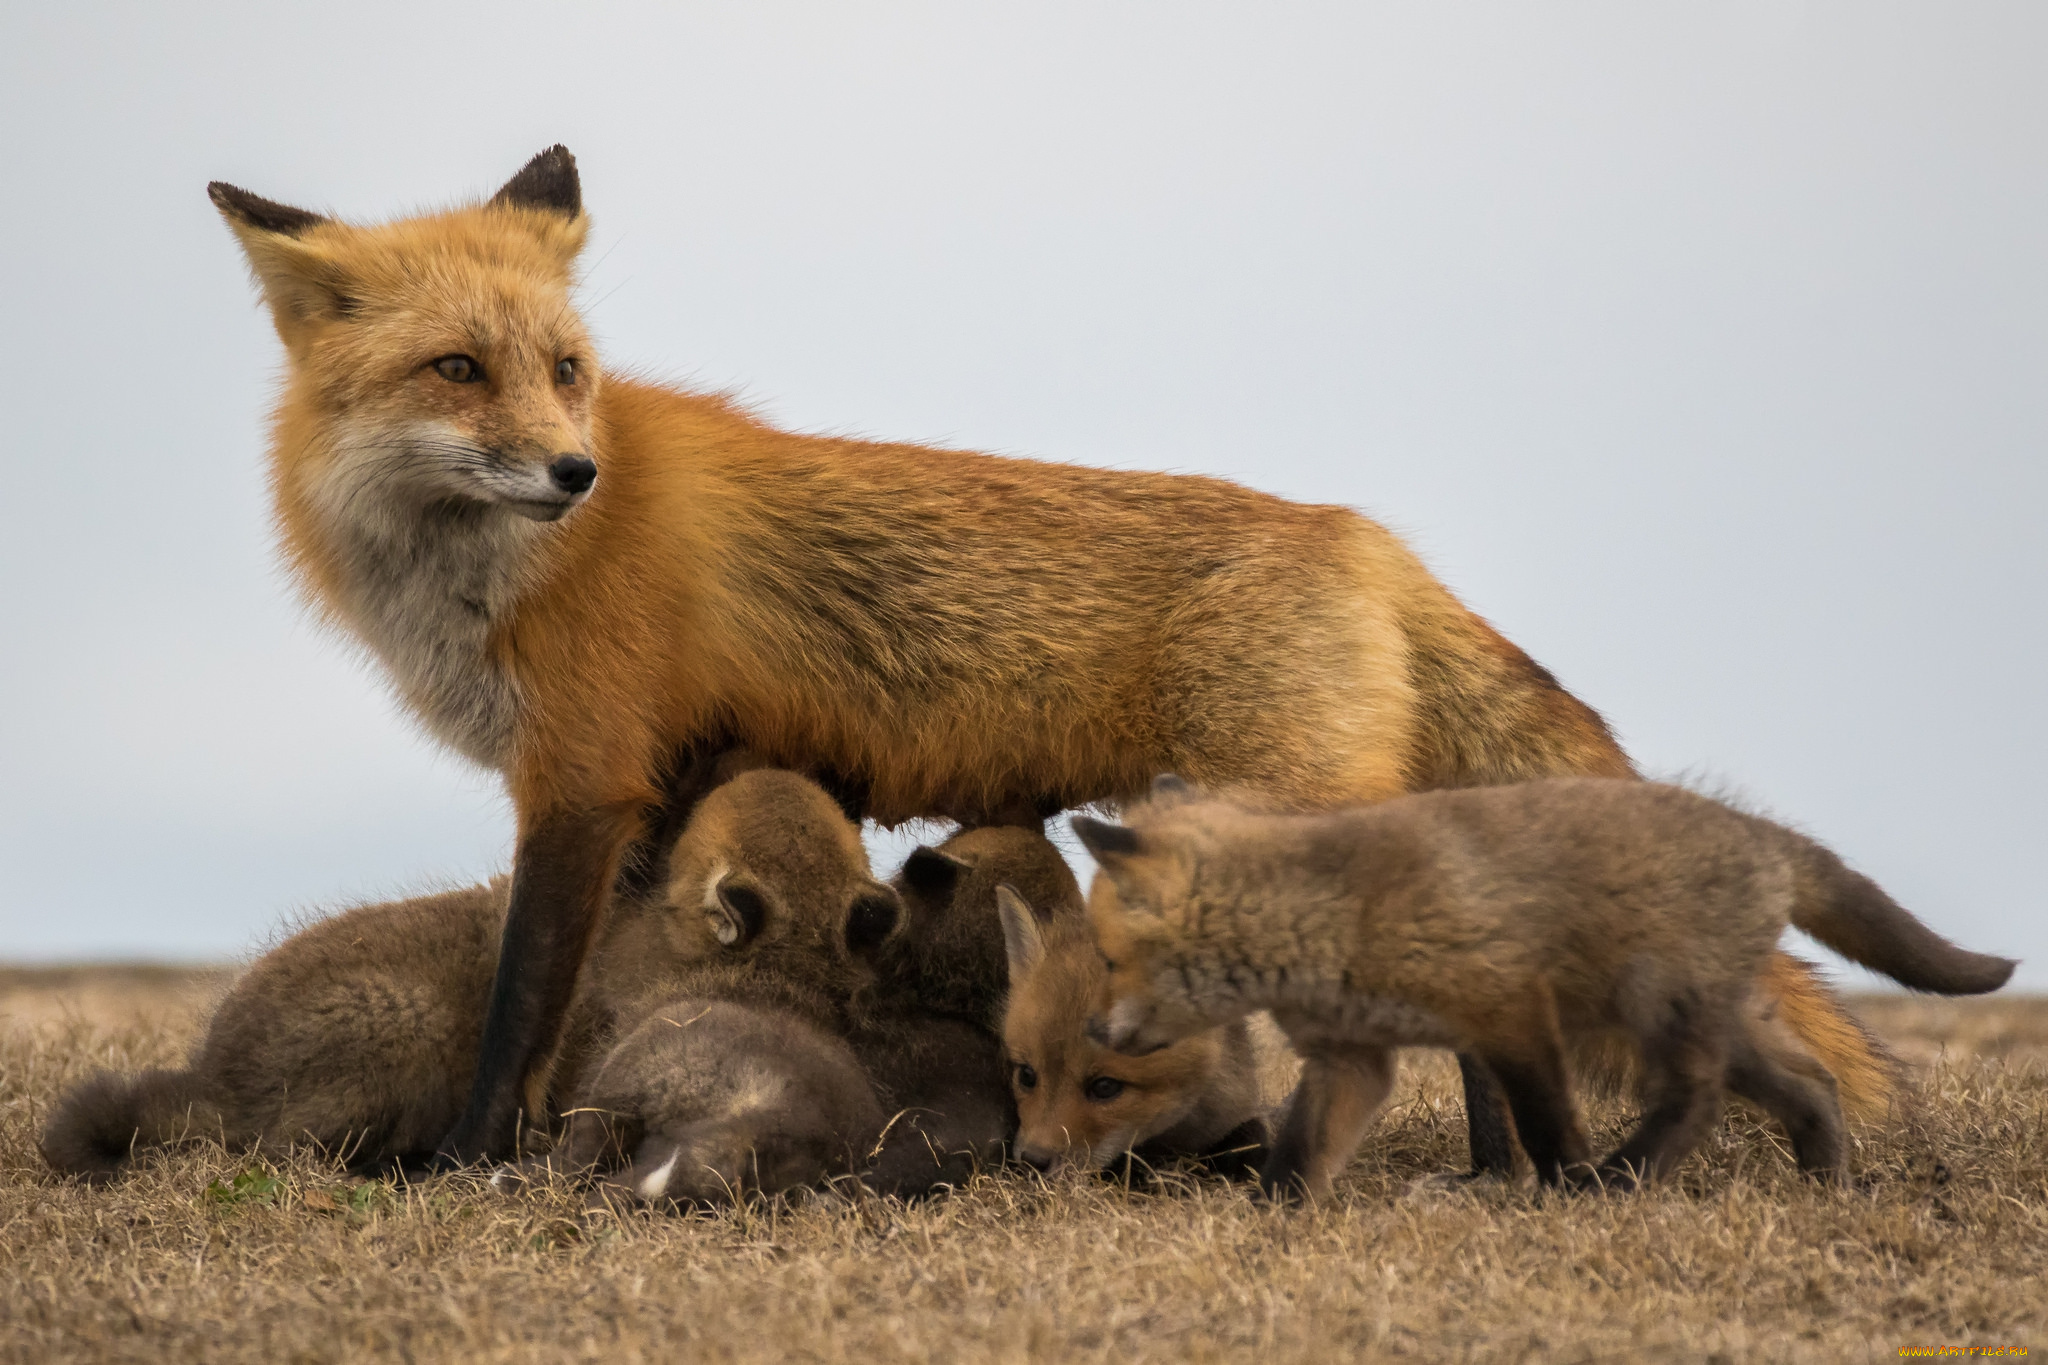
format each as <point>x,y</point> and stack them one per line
<point>1866,1074</point>
<point>103,1121</point>
<point>1852,914</point>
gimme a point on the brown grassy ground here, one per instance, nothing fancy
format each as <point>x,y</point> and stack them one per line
<point>1945,1241</point>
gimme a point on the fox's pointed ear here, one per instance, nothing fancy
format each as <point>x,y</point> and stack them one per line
<point>1107,843</point>
<point>550,195</point>
<point>875,917</point>
<point>301,280</point>
<point>549,181</point>
<point>244,209</point>
<point>1023,937</point>
<point>931,872</point>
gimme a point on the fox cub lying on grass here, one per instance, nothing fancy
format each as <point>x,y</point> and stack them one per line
<point>357,1034</point>
<point>1507,921</point>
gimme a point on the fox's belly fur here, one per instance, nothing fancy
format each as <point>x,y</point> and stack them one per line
<point>1347,1020</point>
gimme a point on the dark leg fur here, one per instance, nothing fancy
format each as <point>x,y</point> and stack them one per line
<point>692,775</point>
<point>1487,1130</point>
<point>1805,1103</point>
<point>562,872</point>
<point>1539,1096</point>
<point>1683,1071</point>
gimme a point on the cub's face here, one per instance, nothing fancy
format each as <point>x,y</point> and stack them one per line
<point>770,874</point>
<point>1081,1105</point>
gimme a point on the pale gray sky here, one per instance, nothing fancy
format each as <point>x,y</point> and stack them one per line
<point>1701,348</point>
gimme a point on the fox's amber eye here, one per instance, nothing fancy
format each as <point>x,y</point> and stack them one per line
<point>1027,1078</point>
<point>565,371</point>
<point>1103,1088</point>
<point>458,369</point>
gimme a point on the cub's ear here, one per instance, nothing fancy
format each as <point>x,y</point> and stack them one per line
<point>1105,841</point>
<point>931,873</point>
<point>302,281</point>
<point>873,919</point>
<point>1170,788</point>
<point>549,182</point>
<point>1023,936</point>
<point>736,912</point>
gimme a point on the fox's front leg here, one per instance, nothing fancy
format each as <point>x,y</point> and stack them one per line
<point>1488,1132</point>
<point>1340,1092</point>
<point>561,879</point>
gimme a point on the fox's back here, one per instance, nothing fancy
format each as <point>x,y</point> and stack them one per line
<point>984,612</point>
<point>1593,882</point>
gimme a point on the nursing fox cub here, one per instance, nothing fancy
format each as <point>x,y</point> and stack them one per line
<point>595,584</point>
<point>1509,922</point>
<point>357,1035</point>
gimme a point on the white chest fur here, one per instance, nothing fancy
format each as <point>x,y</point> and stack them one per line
<point>423,585</point>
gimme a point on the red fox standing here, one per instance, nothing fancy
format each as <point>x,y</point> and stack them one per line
<point>594,585</point>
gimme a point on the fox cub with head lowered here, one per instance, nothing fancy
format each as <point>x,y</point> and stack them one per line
<point>1083,1106</point>
<point>358,1034</point>
<point>1507,922</point>
<point>729,1001</point>
<point>589,582</point>
<point>928,1033</point>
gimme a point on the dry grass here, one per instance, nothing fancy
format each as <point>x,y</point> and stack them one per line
<point>1945,1241</point>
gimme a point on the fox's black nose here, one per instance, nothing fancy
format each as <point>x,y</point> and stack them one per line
<point>573,473</point>
<point>1037,1161</point>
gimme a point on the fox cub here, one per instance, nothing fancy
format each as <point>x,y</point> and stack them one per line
<point>1082,1105</point>
<point>729,1000</point>
<point>1503,921</point>
<point>359,1033</point>
<point>928,1034</point>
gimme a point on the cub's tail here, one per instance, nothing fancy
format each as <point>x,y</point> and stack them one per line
<point>103,1121</point>
<point>1852,914</point>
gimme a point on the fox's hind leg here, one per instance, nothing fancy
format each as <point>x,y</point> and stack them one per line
<point>1769,1068</point>
<point>1525,1052</point>
<point>1339,1094</point>
<point>1685,1061</point>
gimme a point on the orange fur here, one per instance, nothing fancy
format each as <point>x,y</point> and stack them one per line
<point>954,633</point>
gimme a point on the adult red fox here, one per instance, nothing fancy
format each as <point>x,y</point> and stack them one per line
<point>595,584</point>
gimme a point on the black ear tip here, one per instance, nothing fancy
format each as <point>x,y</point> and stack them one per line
<point>1101,838</point>
<point>257,212</point>
<point>548,181</point>
<point>871,920</point>
<point>931,872</point>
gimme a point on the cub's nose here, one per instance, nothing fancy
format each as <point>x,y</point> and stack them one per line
<point>1037,1161</point>
<point>573,473</point>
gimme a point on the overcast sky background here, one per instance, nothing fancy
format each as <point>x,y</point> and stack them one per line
<point>1703,349</point>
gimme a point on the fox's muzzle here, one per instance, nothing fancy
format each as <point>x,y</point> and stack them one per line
<point>573,473</point>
